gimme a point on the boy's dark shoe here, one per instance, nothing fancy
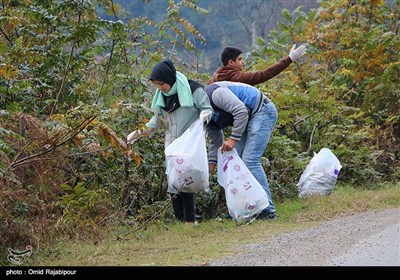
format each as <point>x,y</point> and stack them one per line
<point>266,216</point>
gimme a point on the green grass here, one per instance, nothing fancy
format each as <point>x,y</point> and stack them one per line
<point>176,244</point>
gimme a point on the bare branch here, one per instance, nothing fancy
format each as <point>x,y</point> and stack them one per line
<point>54,146</point>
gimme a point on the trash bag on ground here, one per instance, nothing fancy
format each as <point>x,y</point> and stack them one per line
<point>320,175</point>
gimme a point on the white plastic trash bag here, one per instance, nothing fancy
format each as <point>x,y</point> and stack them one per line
<point>187,163</point>
<point>244,195</point>
<point>320,175</point>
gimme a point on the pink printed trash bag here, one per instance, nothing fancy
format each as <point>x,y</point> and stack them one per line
<point>187,163</point>
<point>244,195</point>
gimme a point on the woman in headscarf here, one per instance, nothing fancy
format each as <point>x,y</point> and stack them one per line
<point>178,102</point>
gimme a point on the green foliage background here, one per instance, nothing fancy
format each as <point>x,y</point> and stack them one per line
<point>73,85</point>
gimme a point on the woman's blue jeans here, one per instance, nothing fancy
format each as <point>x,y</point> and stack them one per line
<point>253,144</point>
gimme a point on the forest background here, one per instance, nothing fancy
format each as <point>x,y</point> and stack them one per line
<point>74,83</point>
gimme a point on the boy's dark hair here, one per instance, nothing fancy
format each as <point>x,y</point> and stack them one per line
<point>229,53</point>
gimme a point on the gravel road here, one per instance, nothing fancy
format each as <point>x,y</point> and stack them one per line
<point>365,239</point>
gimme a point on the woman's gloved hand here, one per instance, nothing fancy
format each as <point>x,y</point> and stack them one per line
<point>133,136</point>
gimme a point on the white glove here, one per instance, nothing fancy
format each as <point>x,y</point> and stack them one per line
<point>204,116</point>
<point>133,136</point>
<point>295,54</point>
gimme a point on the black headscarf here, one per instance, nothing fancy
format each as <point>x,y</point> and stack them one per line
<point>164,71</point>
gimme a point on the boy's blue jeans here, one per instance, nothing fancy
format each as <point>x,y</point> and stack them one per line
<point>253,144</point>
